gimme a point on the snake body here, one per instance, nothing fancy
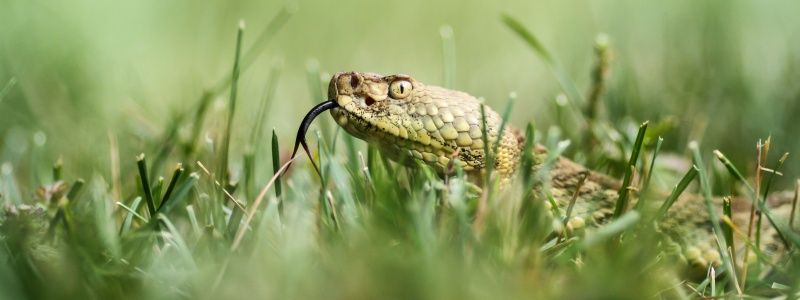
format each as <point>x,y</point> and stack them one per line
<point>409,120</point>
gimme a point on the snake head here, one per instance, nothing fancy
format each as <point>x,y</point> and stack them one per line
<point>373,107</point>
<point>409,120</point>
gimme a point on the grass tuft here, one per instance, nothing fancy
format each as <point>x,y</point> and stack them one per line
<point>784,233</point>
<point>705,187</point>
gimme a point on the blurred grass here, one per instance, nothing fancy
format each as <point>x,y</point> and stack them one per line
<point>76,76</point>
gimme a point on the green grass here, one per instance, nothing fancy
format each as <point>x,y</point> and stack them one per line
<point>84,215</point>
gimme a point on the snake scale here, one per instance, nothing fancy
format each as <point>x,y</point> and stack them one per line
<point>408,120</point>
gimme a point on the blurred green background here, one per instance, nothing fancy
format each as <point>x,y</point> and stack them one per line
<point>726,71</point>
<point>78,76</point>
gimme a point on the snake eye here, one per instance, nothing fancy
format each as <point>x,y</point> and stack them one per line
<point>400,89</point>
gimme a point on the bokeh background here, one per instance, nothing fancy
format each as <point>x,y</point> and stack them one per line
<point>92,84</point>
<point>723,72</point>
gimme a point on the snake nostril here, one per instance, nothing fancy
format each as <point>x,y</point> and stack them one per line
<point>369,101</point>
<point>354,81</point>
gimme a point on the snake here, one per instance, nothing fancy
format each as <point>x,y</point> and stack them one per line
<point>409,121</point>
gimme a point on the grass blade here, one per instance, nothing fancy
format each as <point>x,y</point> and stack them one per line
<point>180,193</point>
<point>172,182</point>
<point>793,213</point>
<point>611,229</point>
<point>622,202</point>
<point>174,237</point>
<point>266,103</point>
<point>489,158</point>
<point>528,156</point>
<point>128,219</point>
<point>193,219</point>
<point>712,214</point>
<point>506,114</point>
<point>784,233</point>
<point>448,56</point>
<point>649,176</point>
<point>727,210</point>
<point>574,198</point>
<point>148,194</point>
<point>600,74</point>
<point>58,170</point>
<point>276,162</point>
<point>226,143</point>
<point>677,191</point>
<point>7,88</point>
<point>315,87</point>
<point>156,190</point>
<point>528,37</point>
<point>251,211</point>
<point>558,71</point>
<point>258,46</point>
<point>775,172</point>
<point>250,55</point>
<point>76,188</point>
<point>132,211</point>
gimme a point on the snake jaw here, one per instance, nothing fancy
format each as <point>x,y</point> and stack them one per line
<point>343,100</point>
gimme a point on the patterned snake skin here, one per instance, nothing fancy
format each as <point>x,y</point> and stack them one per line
<point>409,120</point>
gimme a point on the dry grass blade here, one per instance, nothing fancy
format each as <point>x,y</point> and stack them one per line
<point>571,206</point>
<point>235,201</point>
<point>783,232</point>
<point>254,206</point>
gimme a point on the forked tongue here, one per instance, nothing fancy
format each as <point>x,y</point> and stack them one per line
<point>301,132</point>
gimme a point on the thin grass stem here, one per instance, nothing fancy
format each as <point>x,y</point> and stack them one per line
<point>448,56</point>
<point>566,83</point>
<point>7,88</point>
<point>223,176</point>
<point>276,162</point>
<point>677,191</point>
<point>171,187</point>
<point>148,195</point>
<point>622,201</point>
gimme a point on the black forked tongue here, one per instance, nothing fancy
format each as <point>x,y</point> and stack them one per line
<point>301,132</point>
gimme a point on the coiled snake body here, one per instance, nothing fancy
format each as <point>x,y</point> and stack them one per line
<point>409,120</point>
